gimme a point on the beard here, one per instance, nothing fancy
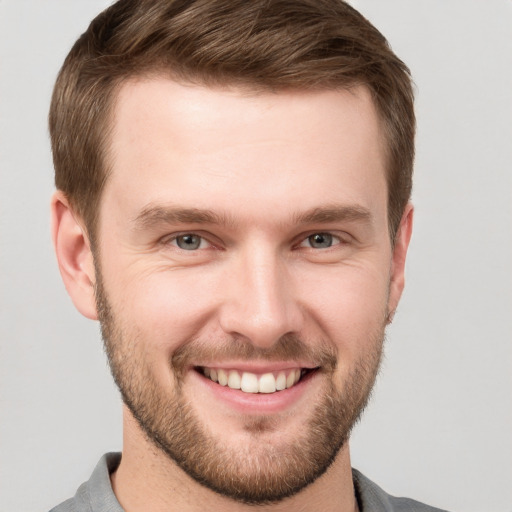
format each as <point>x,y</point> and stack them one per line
<point>260,471</point>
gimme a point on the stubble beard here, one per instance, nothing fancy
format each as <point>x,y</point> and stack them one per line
<point>259,472</point>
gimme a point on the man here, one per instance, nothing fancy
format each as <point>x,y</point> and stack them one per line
<point>233,206</point>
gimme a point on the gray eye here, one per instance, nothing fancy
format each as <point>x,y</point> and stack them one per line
<point>320,240</point>
<point>188,242</point>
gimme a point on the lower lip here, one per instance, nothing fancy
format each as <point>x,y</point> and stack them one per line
<point>257,403</point>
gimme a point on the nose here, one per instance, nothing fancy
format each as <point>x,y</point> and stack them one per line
<point>260,302</point>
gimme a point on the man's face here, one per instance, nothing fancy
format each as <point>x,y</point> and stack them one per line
<point>244,238</point>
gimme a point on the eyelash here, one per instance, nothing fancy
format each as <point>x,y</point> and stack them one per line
<point>174,241</point>
<point>332,238</point>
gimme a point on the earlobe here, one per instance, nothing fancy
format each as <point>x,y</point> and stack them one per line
<point>74,256</point>
<point>397,281</point>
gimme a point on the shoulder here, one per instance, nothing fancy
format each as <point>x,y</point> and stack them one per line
<point>78,503</point>
<point>372,498</point>
<point>67,506</point>
<point>95,495</point>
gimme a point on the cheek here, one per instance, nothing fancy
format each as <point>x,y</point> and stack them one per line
<point>350,305</point>
<point>351,314</point>
<point>166,307</point>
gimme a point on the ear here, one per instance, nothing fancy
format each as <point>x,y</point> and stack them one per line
<point>74,256</point>
<point>402,239</point>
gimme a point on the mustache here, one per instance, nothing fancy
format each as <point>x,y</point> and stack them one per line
<point>288,347</point>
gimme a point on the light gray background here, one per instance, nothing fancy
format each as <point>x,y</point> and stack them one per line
<point>439,427</point>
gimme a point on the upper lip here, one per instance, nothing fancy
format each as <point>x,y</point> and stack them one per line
<point>258,367</point>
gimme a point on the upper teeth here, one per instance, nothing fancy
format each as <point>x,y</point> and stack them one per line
<point>253,383</point>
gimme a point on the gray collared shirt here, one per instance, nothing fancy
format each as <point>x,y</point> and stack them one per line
<point>96,495</point>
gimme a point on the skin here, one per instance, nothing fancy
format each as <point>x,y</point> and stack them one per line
<point>262,163</point>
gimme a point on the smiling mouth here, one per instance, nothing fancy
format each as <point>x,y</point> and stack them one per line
<point>248,382</point>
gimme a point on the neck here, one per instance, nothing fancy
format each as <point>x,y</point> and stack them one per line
<point>147,480</point>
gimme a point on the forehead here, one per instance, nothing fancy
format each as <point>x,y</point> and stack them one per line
<point>174,142</point>
<point>140,103</point>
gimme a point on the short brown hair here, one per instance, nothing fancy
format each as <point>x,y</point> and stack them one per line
<point>261,44</point>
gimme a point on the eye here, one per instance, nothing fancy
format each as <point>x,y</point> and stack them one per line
<point>320,241</point>
<point>190,242</point>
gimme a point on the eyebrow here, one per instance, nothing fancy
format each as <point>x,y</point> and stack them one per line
<point>333,213</point>
<point>154,215</point>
